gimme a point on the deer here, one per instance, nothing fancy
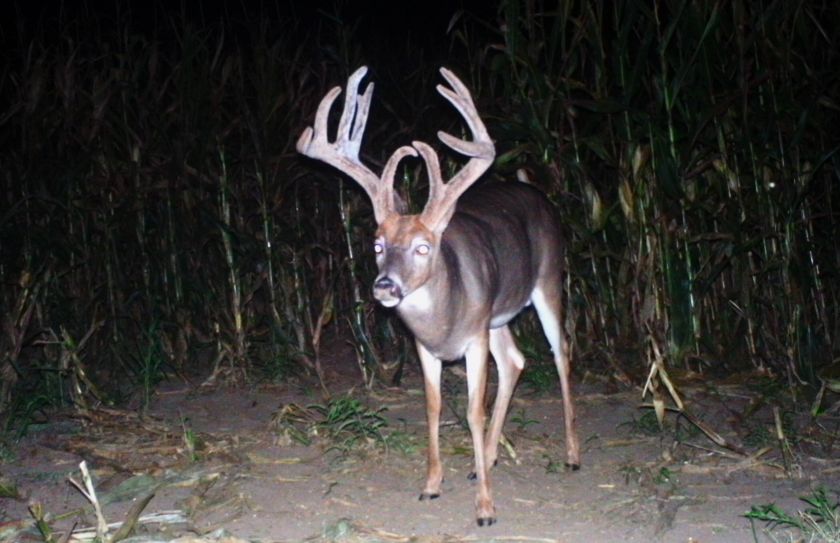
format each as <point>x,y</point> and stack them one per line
<point>459,271</point>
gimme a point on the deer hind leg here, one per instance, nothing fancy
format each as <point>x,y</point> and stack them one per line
<point>509,364</point>
<point>476,383</point>
<point>546,300</point>
<point>431,377</point>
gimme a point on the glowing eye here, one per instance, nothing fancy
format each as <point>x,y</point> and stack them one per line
<point>377,248</point>
<point>422,250</point>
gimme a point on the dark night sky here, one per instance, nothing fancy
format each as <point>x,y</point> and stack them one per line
<point>423,23</point>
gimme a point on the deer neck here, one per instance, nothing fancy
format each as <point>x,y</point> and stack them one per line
<point>437,313</point>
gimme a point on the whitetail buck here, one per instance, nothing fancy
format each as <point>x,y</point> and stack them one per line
<point>458,272</point>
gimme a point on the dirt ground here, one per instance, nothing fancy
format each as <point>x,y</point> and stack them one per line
<point>223,462</point>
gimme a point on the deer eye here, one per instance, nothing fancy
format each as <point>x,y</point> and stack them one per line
<point>378,248</point>
<point>422,249</point>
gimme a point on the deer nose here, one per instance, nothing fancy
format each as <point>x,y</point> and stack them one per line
<point>384,283</point>
<point>386,287</point>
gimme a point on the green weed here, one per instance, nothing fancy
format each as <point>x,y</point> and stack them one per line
<point>402,442</point>
<point>645,476</point>
<point>540,377</point>
<point>553,466</point>
<point>8,488</point>
<point>349,424</point>
<point>42,522</point>
<point>646,425</point>
<point>191,440</point>
<point>151,364</point>
<point>521,421</point>
<point>819,522</point>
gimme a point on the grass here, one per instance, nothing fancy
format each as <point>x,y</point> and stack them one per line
<point>540,377</point>
<point>818,522</point>
<point>9,489</point>
<point>151,366</point>
<point>294,424</point>
<point>191,441</point>
<point>646,425</point>
<point>403,442</point>
<point>344,424</point>
<point>553,466</point>
<point>348,424</point>
<point>647,477</point>
<point>42,522</point>
<point>25,413</point>
<point>520,419</point>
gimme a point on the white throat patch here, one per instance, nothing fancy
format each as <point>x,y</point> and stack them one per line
<point>419,300</point>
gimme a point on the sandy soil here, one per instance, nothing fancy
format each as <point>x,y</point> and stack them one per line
<point>247,477</point>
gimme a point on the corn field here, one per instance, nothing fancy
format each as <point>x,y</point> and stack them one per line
<point>156,221</point>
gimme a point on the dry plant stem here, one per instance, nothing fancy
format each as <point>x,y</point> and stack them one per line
<point>140,225</point>
<point>267,227</point>
<point>784,444</point>
<point>297,290</point>
<point>324,316</point>
<point>705,428</point>
<point>511,450</point>
<point>89,493</point>
<point>174,268</point>
<point>239,355</point>
<point>712,434</point>
<point>160,518</point>
<point>365,355</point>
<point>126,528</point>
<point>15,325</point>
<point>815,406</point>
<point>71,362</point>
<point>658,373</point>
<point>742,458</point>
<point>302,318</point>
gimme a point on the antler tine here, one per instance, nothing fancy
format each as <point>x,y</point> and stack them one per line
<point>343,153</point>
<point>355,113</point>
<point>444,196</point>
<point>462,100</point>
<point>387,202</point>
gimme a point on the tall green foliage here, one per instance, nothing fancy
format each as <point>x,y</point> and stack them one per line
<point>690,147</point>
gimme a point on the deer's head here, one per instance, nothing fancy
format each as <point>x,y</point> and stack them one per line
<point>407,247</point>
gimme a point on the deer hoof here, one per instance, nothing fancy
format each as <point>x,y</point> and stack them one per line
<point>485,521</point>
<point>471,476</point>
<point>572,467</point>
<point>429,496</point>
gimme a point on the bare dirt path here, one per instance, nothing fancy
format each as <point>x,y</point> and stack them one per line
<point>217,458</point>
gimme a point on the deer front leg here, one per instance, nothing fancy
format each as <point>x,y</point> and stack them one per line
<point>476,383</point>
<point>431,377</point>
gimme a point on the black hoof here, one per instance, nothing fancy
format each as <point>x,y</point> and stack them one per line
<point>572,467</point>
<point>471,476</point>
<point>486,521</point>
<point>425,496</point>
